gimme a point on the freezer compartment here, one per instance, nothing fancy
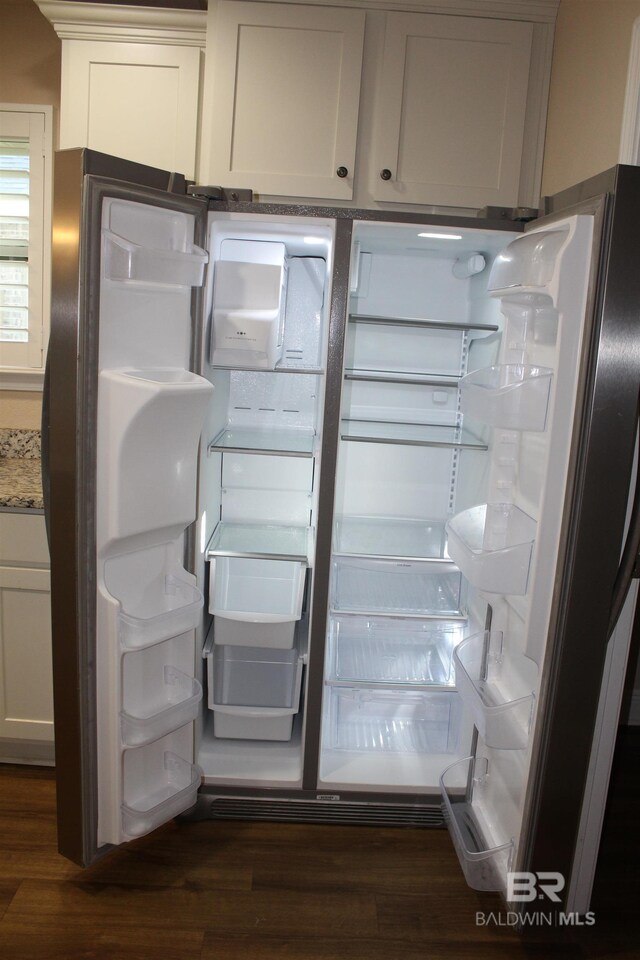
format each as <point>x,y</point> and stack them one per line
<point>513,396</point>
<point>484,864</point>
<point>412,589</point>
<point>502,714</point>
<point>492,544</point>
<point>391,651</point>
<point>390,537</point>
<point>177,705</point>
<point>256,602</point>
<point>131,262</point>
<point>392,721</point>
<point>170,787</point>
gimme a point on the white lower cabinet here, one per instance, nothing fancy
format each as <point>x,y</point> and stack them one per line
<point>26,691</point>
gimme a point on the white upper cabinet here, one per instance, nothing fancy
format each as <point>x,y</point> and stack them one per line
<point>282,93</point>
<point>130,81</point>
<point>450,116</point>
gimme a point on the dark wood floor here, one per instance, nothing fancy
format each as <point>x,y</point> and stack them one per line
<point>256,891</point>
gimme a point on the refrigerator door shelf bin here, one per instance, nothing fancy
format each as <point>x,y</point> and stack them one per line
<point>170,607</point>
<point>419,588</point>
<point>262,541</point>
<point>391,651</point>
<point>366,721</point>
<point>485,867</point>
<point>513,396</point>
<point>390,538</point>
<point>410,434</point>
<point>130,262</point>
<point>182,695</point>
<point>502,720</point>
<point>256,602</point>
<point>283,443</point>
<point>492,544</point>
<point>176,794</point>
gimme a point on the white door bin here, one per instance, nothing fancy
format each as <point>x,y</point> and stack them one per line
<point>256,603</point>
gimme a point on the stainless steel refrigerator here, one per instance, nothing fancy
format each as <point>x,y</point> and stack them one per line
<point>341,516</point>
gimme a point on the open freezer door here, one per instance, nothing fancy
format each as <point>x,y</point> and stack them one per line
<point>123,416</point>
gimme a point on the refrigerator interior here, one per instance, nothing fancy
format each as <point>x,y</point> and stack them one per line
<point>265,352</point>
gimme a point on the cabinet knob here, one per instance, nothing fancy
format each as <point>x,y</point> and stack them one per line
<point>385,174</point>
<point>342,172</point>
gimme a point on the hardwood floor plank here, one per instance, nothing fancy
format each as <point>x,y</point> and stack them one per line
<point>85,938</point>
<point>8,890</point>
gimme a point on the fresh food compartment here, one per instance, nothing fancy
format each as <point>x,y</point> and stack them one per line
<point>492,544</point>
<point>391,651</point>
<point>513,396</point>
<point>389,537</point>
<point>256,602</point>
<point>407,588</point>
<point>391,721</point>
<point>484,863</point>
<point>501,715</point>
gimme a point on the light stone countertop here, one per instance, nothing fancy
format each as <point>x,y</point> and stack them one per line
<point>20,480</point>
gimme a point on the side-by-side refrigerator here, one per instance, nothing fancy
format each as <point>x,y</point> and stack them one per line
<point>341,515</point>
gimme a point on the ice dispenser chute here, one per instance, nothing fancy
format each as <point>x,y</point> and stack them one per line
<point>249,294</point>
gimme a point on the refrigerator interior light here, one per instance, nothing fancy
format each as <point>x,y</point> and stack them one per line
<point>441,236</point>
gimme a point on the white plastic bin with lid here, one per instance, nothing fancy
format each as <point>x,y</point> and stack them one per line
<point>256,603</point>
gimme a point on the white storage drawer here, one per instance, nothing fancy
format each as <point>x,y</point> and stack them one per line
<point>256,603</point>
<point>253,677</point>
<point>254,693</point>
<point>366,721</point>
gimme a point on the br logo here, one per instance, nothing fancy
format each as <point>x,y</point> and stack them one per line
<point>524,886</point>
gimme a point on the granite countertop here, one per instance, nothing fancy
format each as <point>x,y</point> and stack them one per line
<point>20,480</point>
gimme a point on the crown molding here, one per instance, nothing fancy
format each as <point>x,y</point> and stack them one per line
<point>114,22</point>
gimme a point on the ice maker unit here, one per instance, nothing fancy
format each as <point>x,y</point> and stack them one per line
<point>249,294</point>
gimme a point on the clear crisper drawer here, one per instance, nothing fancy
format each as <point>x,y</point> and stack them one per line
<point>392,721</point>
<point>502,714</point>
<point>514,396</point>
<point>484,863</point>
<point>175,791</point>
<point>181,695</point>
<point>391,650</point>
<point>492,544</point>
<point>414,589</point>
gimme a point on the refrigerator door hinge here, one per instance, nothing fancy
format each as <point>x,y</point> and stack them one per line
<point>220,194</point>
<point>517,214</point>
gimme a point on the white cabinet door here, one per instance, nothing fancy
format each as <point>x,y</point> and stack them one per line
<point>284,88</point>
<point>450,116</point>
<point>135,100</point>
<point>26,692</point>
